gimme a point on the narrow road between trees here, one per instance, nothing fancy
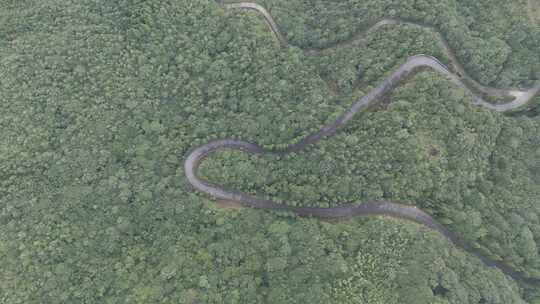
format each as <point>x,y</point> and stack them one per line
<point>518,97</point>
<point>346,211</point>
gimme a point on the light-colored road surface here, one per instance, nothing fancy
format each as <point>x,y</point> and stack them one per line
<point>411,213</point>
<point>520,97</point>
<point>534,11</point>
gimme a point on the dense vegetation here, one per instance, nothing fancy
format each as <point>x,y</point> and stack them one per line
<point>101,100</point>
<point>476,170</point>
<point>496,47</point>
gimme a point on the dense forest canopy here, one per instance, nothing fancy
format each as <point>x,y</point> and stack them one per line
<point>102,100</point>
<point>496,47</point>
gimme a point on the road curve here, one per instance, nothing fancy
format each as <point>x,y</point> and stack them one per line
<point>194,158</point>
<point>518,97</point>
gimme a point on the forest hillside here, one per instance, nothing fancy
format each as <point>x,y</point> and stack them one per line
<point>103,101</point>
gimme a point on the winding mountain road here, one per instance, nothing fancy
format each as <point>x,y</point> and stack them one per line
<point>519,97</point>
<point>401,211</point>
